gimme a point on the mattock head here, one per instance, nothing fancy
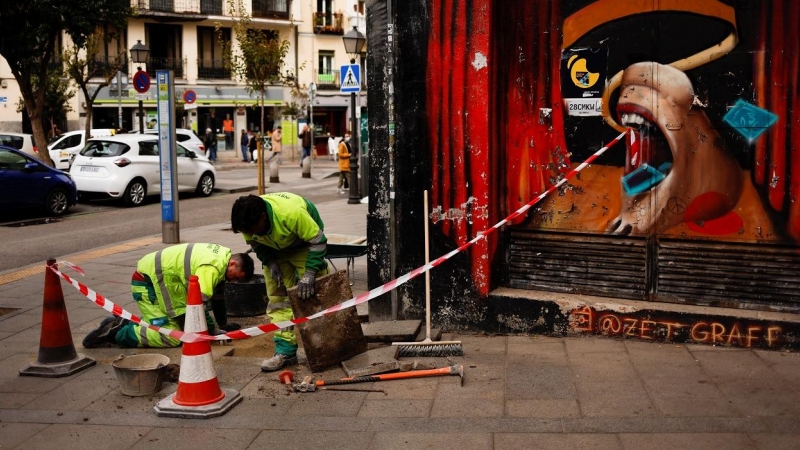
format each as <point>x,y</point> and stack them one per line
<point>286,376</point>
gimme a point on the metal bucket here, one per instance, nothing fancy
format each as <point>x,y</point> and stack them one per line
<point>246,299</point>
<point>140,375</point>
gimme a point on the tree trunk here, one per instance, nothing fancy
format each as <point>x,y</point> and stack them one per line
<point>34,110</point>
<point>261,152</point>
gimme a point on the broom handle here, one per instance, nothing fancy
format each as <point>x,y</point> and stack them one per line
<point>452,370</point>
<point>427,272</point>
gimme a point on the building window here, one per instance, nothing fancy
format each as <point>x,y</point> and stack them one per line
<point>210,62</point>
<point>112,51</point>
<point>326,76</point>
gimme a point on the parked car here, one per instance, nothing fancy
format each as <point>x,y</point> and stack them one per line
<point>20,141</point>
<point>67,144</point>
<point>127,166</point>
<point>187,138</point>
<point>26,182</point>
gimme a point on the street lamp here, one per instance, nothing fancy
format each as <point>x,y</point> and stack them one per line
<point>139,55</point>
<point>354,45</point>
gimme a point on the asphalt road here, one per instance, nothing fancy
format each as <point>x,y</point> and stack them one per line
<point>29,239</point>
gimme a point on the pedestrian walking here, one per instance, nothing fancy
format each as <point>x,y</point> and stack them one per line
<point>243,141</point>
<point>344,163</point>
<point>210,141</point>
<point>305,137</point>
<point>277,137</point>
<point>252,145</point>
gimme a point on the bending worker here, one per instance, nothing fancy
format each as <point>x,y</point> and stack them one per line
<point>160,286</point>
<point>286,233</point>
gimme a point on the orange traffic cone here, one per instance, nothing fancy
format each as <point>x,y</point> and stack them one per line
<point>199,395</point>
<point>57,355</point>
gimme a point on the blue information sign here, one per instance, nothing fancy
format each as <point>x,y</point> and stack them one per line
<point>166,146</point>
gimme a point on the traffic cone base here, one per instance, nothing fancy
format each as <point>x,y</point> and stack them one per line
<point>199,395</point>
<point>63,369</point>
<point>168,408</point>
<point>57,355</point>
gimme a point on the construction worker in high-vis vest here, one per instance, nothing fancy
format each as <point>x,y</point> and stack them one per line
<point>286,233</point>
<point>160,286</point>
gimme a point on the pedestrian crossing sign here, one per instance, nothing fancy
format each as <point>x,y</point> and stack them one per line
<point>351,78</point>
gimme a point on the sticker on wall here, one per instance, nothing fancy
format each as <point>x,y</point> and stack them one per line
<point>583,77</point>
<point>749,120</point>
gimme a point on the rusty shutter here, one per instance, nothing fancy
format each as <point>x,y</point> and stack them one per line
<point>752,276</point>
<point>582,264</point>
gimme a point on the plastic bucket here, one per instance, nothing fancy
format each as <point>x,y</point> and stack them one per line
<point>140,374</point>
<point>246,299</point>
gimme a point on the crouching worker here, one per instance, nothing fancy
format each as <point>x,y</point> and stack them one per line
<point>160,287</point>
<point>286,233</point>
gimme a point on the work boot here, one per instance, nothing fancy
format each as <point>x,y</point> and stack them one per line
<point>277,362</point>
<point>105,334</point>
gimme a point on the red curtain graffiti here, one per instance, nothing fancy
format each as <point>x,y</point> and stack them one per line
<point>462,92</point>
<point>776,68</point>
<point>458,93</point>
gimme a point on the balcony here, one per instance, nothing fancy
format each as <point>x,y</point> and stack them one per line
<point>328,23</point>
<point>271,9</point>
<point>102,65</point>
<point>327,80</point>
<point>212,69</point>
<point>173,64</point>
<point>186,8</point>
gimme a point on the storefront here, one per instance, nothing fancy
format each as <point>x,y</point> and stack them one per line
<point>211,107</point>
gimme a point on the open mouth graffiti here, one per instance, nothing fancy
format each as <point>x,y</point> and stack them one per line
<point>648,159</point>
<point>674,154</point>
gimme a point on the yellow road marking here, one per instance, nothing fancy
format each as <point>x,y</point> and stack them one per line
<point>80,257</point>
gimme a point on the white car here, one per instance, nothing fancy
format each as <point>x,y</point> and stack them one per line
<point>68,144</point>
<point>127,166</point>
<point>20,141</point>
<point>187,138</point>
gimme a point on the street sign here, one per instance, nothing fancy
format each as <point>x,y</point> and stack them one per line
<point>141,82</point>
<point>351,78</point>
<point>145,96</point>
<point>189,96</point>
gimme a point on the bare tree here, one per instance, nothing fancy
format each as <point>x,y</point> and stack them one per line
<point>82,66</point>
<point>256,58</point>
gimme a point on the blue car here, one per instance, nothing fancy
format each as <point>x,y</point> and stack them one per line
<point>26,182</point>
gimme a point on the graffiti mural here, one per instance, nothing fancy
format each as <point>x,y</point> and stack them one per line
<point>685,328</point>
<point>709,90</point>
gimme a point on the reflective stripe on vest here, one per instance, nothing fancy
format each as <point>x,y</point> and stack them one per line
<point>187,271</point>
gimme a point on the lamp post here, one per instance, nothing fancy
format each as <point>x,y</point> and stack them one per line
<point>139,55</point>
<point>354,43</point>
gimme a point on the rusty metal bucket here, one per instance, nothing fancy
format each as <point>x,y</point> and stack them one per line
<point>140,375</point>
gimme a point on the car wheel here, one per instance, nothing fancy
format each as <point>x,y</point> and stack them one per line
<point>206,185</point>
<point>57,202</point>
<point>135,193</point>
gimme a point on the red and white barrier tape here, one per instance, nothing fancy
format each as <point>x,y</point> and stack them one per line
<point>115,309</point>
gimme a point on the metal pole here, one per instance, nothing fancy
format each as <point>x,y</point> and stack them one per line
<point>119,98</point>
<point>141,118</point>
<point>354,196</point>
<point>311,125</point>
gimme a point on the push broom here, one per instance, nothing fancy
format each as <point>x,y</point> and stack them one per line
<point>428,347</point>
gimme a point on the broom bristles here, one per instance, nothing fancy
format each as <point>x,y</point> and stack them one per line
<point>423,349</point>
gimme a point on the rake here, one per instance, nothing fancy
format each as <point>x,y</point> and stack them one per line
<point>428,347</point>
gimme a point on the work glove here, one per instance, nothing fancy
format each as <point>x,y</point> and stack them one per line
<point>306,285</point>
<point>275,271</point>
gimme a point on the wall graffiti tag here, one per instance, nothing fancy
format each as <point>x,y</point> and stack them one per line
<point>676,327</point>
